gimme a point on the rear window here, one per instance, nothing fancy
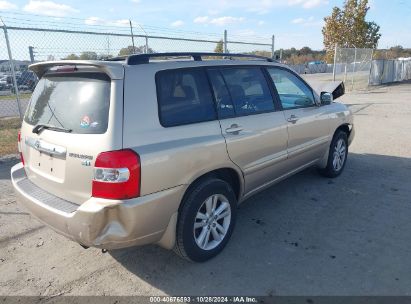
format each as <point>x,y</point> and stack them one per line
<point>184,97</point>
<point>79,102</point>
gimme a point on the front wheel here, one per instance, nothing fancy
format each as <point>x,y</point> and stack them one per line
<point>206,220</point>
<point>337,155</point>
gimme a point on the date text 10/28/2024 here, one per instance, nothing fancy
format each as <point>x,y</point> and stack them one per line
<point>203,299</point>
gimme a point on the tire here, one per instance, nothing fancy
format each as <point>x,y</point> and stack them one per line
<point>334,167</point>
<point>195,210</point>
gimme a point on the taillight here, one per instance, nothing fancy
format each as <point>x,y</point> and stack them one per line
<point>19,146</point>
<point>117,175</point>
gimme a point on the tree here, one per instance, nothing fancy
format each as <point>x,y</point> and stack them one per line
<point>88,56</point>
<point>134,50</point>
<point>393,52</point>
<point>71,57</point>
<point>305,51</point>
<point>348,28</point>
<point>219,48</point>
<point>294,56</point>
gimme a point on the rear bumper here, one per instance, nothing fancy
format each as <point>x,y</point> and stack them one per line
<point>101,223</point>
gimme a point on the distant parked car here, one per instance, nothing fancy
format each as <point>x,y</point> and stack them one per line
<point>26,81</point>
<point>5,84</point>
<point>316,62</point>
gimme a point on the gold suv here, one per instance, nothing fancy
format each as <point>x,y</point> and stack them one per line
<point>156,148</point>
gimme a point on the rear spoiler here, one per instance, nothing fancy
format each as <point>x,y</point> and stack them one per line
<point>337,88</point>
<point>114,70</point>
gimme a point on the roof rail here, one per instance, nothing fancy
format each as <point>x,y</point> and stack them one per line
<point>197,56</point>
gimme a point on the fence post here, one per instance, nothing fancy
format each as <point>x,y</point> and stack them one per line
<point>146,48</point>
<point>225,42</point>
<point>353,69</point>
<point>272,46</point>
<point>371,67</point>
<point>335,61</point>
<point>13,72</point>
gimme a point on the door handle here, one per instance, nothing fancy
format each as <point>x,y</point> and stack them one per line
<point>234,129</point>
<point>292,119</point>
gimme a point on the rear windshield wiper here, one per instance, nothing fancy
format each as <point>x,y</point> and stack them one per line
<point>40,127</point>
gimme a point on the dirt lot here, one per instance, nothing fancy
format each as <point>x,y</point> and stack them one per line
<point>305,236</point>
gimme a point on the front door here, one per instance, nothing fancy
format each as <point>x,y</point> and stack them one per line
<point>308,123</point>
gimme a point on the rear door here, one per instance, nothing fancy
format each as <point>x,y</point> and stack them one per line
<point>255,133</point>
<point>71,118</point>
<point>308,123</point>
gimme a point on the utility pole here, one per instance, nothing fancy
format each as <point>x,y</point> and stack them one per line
<point>146,46</point>
<point>31,52</point>
<point>225,42</point>
<point>132,36</point>
<point>272,46</point>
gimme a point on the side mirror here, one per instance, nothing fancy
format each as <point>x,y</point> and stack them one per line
<point>326,98</point>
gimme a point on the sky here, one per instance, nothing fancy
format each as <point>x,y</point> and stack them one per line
<point>295,23</point>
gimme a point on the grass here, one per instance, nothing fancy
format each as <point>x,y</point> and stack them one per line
<point>13,96</point>
<point>9,128</point>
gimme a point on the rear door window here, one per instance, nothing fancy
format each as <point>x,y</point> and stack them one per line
<point>184,97</point>
<point>79,102</point>
<point>248,89</point>
<point>225,106</point>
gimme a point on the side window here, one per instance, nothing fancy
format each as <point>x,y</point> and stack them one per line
<point>248,90</point>
<point>292,91</point>
<point>225,107</point>
<point>184,97</point>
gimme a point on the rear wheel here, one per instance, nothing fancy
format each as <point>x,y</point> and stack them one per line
<point>206,220</point>
<point>337,155</point>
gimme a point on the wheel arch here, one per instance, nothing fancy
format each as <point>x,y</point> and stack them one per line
<point>346,127</point>
<point>228,174</point>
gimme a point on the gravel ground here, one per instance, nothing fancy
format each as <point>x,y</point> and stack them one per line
<point>307,235</point>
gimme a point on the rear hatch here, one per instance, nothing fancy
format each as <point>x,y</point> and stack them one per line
<point>74,114</point>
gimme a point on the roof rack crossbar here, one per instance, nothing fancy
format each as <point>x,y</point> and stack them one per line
<point>197,56</point>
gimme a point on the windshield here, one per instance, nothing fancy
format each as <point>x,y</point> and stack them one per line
<point>79,102</point>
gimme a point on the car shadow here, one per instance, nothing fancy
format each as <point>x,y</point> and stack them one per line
<point>305,235</point>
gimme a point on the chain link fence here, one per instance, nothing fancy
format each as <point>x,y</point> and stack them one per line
<point>26,42</point>
<point>312,68</point>
<point>352,65</point>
